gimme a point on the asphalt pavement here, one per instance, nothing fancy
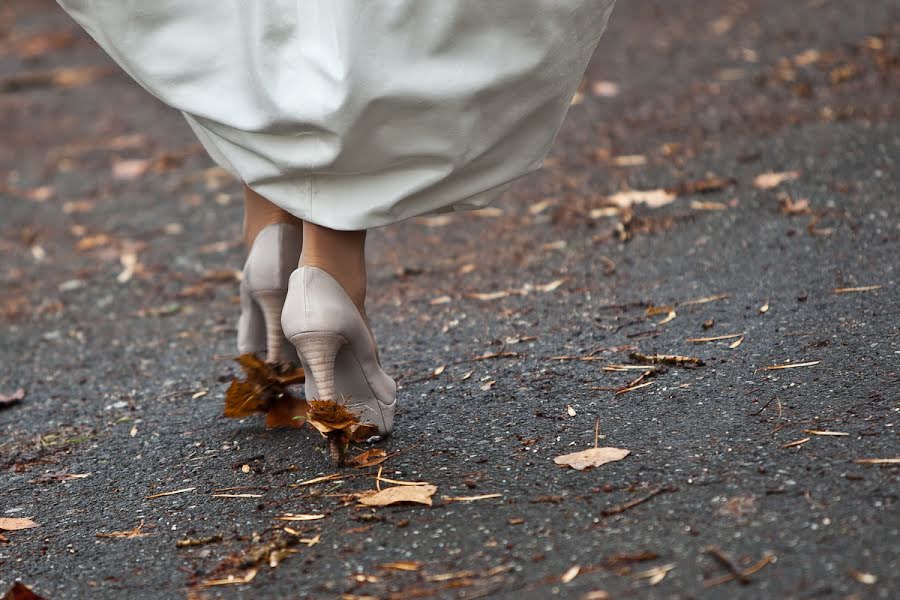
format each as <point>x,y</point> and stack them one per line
<point>767,135</point>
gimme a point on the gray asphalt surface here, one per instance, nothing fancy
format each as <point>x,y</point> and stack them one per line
<point>125,381</point>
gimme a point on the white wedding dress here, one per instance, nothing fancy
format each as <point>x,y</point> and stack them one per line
<point>359,113</point>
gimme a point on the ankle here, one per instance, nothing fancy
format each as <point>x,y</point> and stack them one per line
<point>259,213</point>
<point>341,254</point>
<point>352,277</point>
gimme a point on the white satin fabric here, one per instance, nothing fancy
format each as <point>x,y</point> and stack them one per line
<point>359,113</point>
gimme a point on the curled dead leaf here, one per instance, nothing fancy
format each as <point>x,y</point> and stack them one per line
<point>339,425</point>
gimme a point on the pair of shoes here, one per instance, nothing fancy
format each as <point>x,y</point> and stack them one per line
<point>304,312</point>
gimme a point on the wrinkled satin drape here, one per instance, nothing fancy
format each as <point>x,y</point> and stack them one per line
<point>359,113</point>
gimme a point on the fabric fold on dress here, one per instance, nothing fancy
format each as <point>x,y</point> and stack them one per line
<point>354,114</point>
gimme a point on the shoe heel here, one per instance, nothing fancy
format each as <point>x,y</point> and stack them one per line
<point>270,303</point>
<point>317,351</point>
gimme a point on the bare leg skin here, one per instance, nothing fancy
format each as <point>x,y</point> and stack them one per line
<point>260,213</point>
<point>341,254</point>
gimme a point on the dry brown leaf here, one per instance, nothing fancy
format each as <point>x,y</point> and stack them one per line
<point>592,457</point>
<point>708,205</point>
<point>789,206</point>
<point>667,359</point>
<point>128,534</point>
<point>78,206</point>
<point>656,574</point>
<point>16,524</point>
<point>339,426</point>
<point>417,494</point>
<point>702,186</point>
<point>293,517</point>
<point>652,198</point>
<point>93,241</point>
<point>247,577</point>
<point>549,287</point>
<point>369,458</point>
<point>629,160</point>
<point>769,180</point>
<point>327,416</point>
<point>488,295</point>
<point>10,399</point>
<point>669,317</point>
<point>605,89</point>
<point>131,168</point>
<point>653,311</point>
<point>571,574</point>
<point>44,42</point>
<point>64,78</point>
<point>402,566</point>
<point>20,591</point>
<point>265,390</point>
<point>863,577</point>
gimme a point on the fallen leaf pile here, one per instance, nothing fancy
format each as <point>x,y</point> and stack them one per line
<point>265,390</point>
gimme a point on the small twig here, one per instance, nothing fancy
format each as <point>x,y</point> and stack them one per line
<point>620,508</point>
<point>596,431</point>
<point>667,359</point>
<point>765,406</point>
<point>726,562</point>
<point>765,560</point>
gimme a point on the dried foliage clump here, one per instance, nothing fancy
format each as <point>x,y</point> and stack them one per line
<point>265,390</point>
<point>339,425</point>
<point>20,591</point>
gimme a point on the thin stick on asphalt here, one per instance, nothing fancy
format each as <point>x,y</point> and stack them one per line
<point>765,406</point>
<point>726,562</point>
<point>765,560</point>
<point>620,508</point>
<point>596,431</point>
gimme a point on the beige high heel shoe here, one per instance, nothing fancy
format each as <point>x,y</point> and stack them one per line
<point>272,259</point>
<point>336,348</point>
